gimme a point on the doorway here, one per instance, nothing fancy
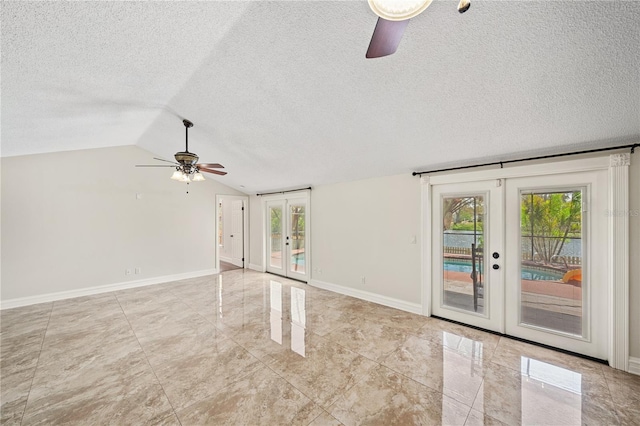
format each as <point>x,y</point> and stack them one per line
<point>232,231</point>
<point>287,237</point>
<point>524,256</point>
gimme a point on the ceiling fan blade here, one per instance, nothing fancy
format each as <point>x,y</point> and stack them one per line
<point>463,6</point>
<point>152,165</point>
<point>386,37</point>
<point>215,172</point>
<point>211,165</point>
<point>167,161</point>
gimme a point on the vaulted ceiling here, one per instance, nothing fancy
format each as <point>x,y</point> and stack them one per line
<point>282,95</point>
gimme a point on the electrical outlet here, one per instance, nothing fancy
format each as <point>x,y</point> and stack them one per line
<point>138,270</point>
<point>362,280</point>
<point>127,271</point>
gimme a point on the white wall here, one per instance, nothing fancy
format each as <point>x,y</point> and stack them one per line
<point>71,221</point>
<point>364,229</point>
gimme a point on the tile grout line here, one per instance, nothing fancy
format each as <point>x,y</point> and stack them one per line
<point>613,402</point>
<point>37,363</point>
<point>148,363</point>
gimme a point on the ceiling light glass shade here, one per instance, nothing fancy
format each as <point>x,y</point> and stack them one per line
<point>185,178</point>
<point>398,10</point>
<point>177,175</point>
<point>197,177</point>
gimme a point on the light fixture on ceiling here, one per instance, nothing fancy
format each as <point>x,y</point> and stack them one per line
<point>177,175</point>
<point>398,10</point>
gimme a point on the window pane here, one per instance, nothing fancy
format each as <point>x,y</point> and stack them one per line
<point>463,261</point>
<point>275,237</point>
<point>297,221</point>
<point>551,260</point>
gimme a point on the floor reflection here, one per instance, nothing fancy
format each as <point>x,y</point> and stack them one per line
<point>298,320</point>
<point>297,312</point>
<point>276,311</point>
<point>550,394</point>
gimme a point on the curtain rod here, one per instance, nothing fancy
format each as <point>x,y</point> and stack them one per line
<point>502,163</point>
<point>282,192</point>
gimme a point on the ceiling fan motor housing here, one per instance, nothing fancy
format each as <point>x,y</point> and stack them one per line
<point>186,158</point>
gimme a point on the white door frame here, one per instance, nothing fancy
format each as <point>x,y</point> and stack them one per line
<point>245,226</point>
<point>303,194</point>
<point>617,166</point>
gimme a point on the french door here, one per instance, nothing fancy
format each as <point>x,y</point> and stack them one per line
<point>557,290</point>
<point>287,238</point>
<point>523,256</point>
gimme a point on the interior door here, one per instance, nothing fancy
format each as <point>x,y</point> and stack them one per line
<point>467,253</point>
<point>287,238</point>
<point>237,233</point>
<point>556,280</point>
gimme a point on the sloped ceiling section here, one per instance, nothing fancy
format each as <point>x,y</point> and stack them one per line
<point>282,95</point>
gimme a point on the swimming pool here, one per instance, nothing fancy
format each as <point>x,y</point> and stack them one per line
<point>527,273</point>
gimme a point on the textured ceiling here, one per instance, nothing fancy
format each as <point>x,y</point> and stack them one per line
<point>282,95</point>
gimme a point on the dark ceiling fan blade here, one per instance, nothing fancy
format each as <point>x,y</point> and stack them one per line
<point>386,37</point>
<point>166,161</point>
<point>463,6</point>
<point>211,165</point>
<point>215,172</point>
<point>153,165</point>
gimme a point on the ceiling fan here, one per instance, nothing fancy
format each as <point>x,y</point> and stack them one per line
<point>187,167</point>
<point>393,18</point>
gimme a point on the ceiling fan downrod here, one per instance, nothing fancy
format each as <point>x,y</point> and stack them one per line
<point>187,124</point>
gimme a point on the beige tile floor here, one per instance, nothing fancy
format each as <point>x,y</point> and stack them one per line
<point>255,349</point>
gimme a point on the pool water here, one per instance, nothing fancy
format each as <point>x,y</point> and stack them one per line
<point>527,274</point>
<point>298,259</point>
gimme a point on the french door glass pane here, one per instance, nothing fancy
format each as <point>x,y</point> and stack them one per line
<point>551,260</point>
<point>463,260</point>
<point>297,224</point>
<point>275,237</point>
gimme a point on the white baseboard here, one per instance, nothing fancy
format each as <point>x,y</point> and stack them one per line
<point>255,267</point>
<point>52,297</point>
<point>634,365</point>
<point>226,259</point>
<point>415,308</point>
